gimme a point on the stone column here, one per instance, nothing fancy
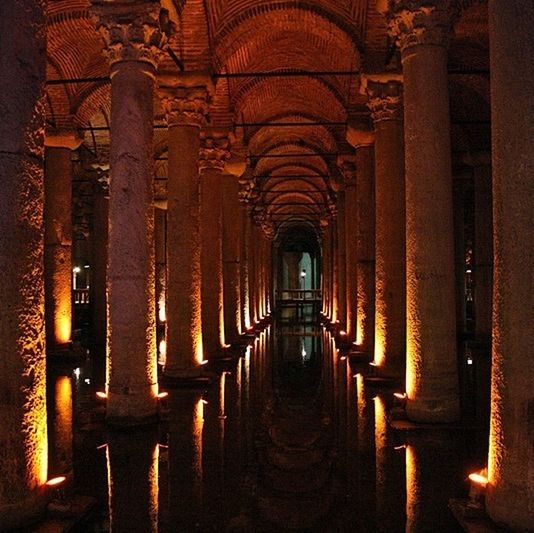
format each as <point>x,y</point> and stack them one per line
<point>342,260</point>
<point>326,281</point>
<point>334,270</point>
<point>348,169</point>
<point>421,30</point>
<point>511,453</point>
<point>385,103</point>
<point>232,236</point>
<point>213,155</point>
<point>186,108</point>
<point>23,439</point>
<point>292,260</point>
<point>244,272</point>
<point>58,241</point>
<point>365,248</point>
<point>251,246</point>
<point>160,239</point>
<point>132,36</point>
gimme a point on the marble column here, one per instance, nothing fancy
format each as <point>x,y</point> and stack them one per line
<point>385,103</point>
<point>421,30</point>
<point>244,272</point>
<point>510,493</point>
<point>231,244</point>
<point>132,386</point>
<point>58,240</point>
<point>341,259</point>
<point>213,155</point>
<point>186,108</point>
<point>251,271</point>
<point>23,439</point>
<point>365,248</point>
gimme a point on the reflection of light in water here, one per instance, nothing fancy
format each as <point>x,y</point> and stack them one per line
<point>360,397</point>
<point>222,395</point>
<point>153,487</point>
<point>63,422</point>
<point>380,449</point>
<point>198,426</point>
<point>412,490</point>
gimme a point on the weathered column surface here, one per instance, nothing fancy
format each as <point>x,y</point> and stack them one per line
<point>132,38</point>
<point>231,245</point>
<point>160,243</point>
<point>510,497</point>
<point>58,240</point>
<point>334,269</point>
<point>421,30</point>
<point>341,259</point>
<point>385,102</point>
<point>213,155</point>
<point>246,321</point>
<point>23,438</point>
<point>251,264</point>
<point>186,111</point>
<point>365,247</point>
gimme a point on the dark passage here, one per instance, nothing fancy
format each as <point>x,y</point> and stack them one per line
<point>289,437</point>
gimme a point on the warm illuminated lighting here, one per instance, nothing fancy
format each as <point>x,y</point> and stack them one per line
<point>76,270</point>
<point>372,363</point>
<point>401,447</point>
<point>162,352</point>
<point>412,490</point>
<point>55,481</point>
<point>63,320</point>
<point>162,395</point>
<point>204,362</point>
<point>222,396</point>
<point>63,422</point>
<point>102,446</point>
<point>343,358</point>
<point>77,372</point>
<point>343,333</point>
<point>101,395</point>
<point>162,310</point>
<point>226,346</point>
<point>204,402</point>
<point>478,478</point>
<point>400,395</point>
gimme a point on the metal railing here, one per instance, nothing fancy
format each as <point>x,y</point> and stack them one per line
<point>80,296</point>
<point>298,295</point>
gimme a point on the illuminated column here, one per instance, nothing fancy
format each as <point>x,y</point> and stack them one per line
<point>244,272</point>
<point>186,109</point>
<point>23,436</point>
<point>348,169</point>
<point>334,270</point>
<point>160,230</point>
<point>511,454</point>
<point>132,36</point>
<point>58,240</point>
<point>251,269</point>
<point>365,247</point>
<point>213,155</point>
<point>293,271</point>
<point>342,259</point>
<point>232,237</point>
<point>385,103</point>
<point>60,432</point>
<point>421,29</point>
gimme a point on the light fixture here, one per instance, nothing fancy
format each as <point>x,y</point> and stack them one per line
<point>76,270</point>
<point>162,395</point>
<point>55,481</point>
<point>101,395</point>
<point>400,395</point>
<point>204,362</point>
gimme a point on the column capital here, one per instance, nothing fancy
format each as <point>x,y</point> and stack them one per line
<point>131,30</point>
<point>385,99</point>
<point>62,139</point>
<point>214,152</point>
<point>186,104</point>
<point>416,22</point>
<point>348,169</point>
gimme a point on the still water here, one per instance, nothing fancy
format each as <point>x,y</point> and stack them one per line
<point>290,437</point>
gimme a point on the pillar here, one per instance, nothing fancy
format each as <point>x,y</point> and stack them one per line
<point>251,246</point>
<point>160,241</point>
<point>334,270</point>
<point>131,366</point>
<point>231,245</point>
<point>292,260</point>
<point>385,103</point>
<point>213,155</point>
<point>511,454</point>
<point>23,439</point>
<point>421,30</point>
<point>365,248</point>
<point>58,240</point>
<point>186,108</point>
<point>341,259</point>
<point>244,271</point>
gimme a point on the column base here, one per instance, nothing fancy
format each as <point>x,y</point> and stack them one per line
<point>128,410</point>
<point>433,411</point>
<point>25,513</point>
<point>187,377</point>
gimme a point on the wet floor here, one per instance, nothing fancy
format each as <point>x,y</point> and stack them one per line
<point>290,437</point>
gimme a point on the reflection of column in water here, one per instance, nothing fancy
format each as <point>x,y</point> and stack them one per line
<point>413,491</point>
<point>389,474</point>
<point>61,437</point>
<point>186,469</point>
<point>133,481</point>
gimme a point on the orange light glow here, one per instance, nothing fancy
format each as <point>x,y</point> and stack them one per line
<point>63,325</point>
<point>412,490</point>
<point>343,333</point>
<point>101,395</point>
<point>162,352</point>
<point>162,310</point>
<point>162,395</point>
<point>380,354</point>
<point>478,479</point>
<point>55,481</point>
<point>63,421</point>
<point>204,362</point>
<point>199,348</point>
<point>400,395</point>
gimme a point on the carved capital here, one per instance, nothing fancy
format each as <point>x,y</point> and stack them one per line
<point>415,22</point>
<point>186,105</point>
<point>214,153</point>
<point>131,30</point>
<point>385,100</point>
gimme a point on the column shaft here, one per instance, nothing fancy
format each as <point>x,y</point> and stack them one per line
<point>351,258</point>
<point>244,272</point>
<point>342,260</point>
<point>23,439</point>
<point>511,454</point>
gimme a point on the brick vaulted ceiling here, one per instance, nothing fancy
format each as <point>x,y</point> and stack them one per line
<point>291,169</point>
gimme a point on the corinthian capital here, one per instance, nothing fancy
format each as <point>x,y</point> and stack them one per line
<point>131,29</point>
<point>414,22</point>
<point>214,153</point>
<point>385,100</point>
<point>186,105</point>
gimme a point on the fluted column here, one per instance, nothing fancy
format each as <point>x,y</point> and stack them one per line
<point>58,240</point>
<point>186,107</point>
<point>421,30</point>
<point>213,155</point>
<point>132,36</point>
<point>231,245</point>
<point>511,453</point>
<point>365,247</point>
<point>23,436</point>
<point>385,103</point>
